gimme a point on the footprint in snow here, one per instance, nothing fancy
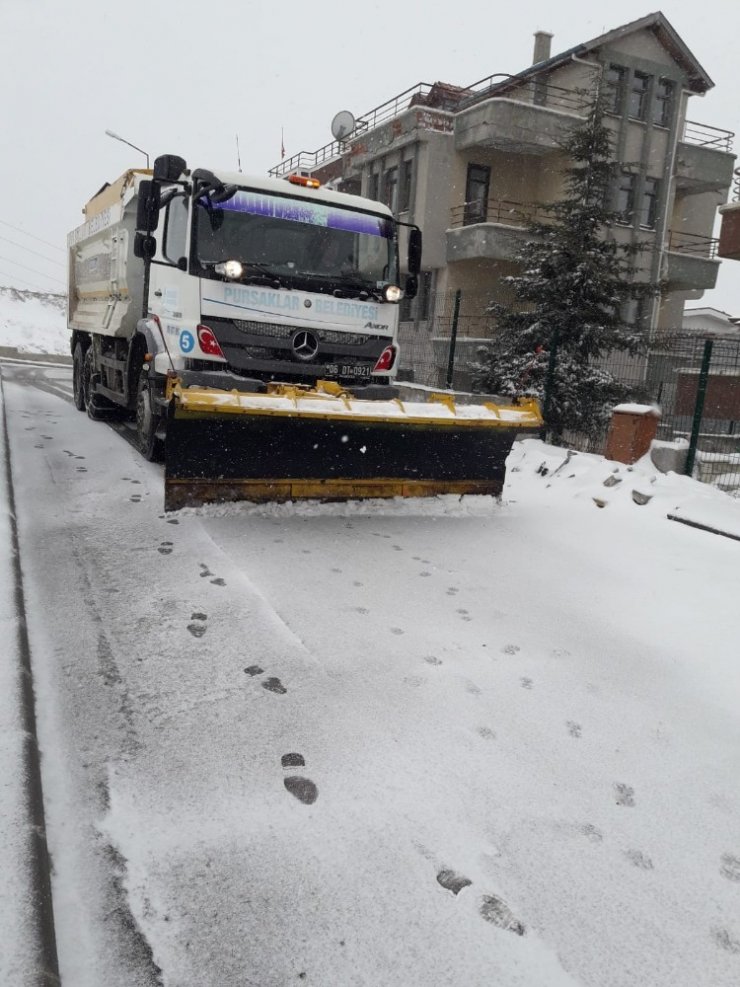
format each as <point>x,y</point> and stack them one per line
<point>526,683</point>
<point>432,660</point>
<point>639,859</point>
<point>172,520</point>
<point>218,581</point>
<point>204,570</point>
<point>592,833</point>
<point>81,469</point>
<point>165,548</point>
<point>625,794</point>
<point>452,881</point>
<point>299,787</point>
<point>511,649</point>
<point>498,913</point>
<point>486,733</point>
<point>135,498</point>
<point>397,630</point>
<point>274,685</point>
<point>254,670</point>
<point>198,626</point>
<point>574,729</point>
<point>730,867</point>
<point>725,941</point>
<point>451,590</point>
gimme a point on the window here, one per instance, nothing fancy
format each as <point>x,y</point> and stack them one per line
<point>649,210</point>
<point>476,194</point>
<point>615,78</point>
<point>625,204</point>
<point>390,189</point>
<point>663,103</point>
<point>404,198</point>
<point>639,96</point>
<point>176,229</point>
<point>372,186</point>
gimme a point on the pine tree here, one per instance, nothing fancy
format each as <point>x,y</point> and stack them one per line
<point>571,296</point>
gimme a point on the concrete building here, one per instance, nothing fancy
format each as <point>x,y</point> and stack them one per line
<point>708,321</point>
<point>470,165</point>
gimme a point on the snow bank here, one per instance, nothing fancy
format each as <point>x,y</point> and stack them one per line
<point>33,322</point>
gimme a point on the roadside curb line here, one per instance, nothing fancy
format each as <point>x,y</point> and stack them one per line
<point>39,862</point>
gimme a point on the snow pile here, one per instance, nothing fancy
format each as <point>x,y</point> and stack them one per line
<point>621,489</point>
<point>33,321</point>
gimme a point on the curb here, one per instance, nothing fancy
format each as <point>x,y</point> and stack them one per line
<point>39,862</point>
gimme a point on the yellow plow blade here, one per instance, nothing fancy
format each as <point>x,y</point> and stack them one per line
<point>296,443</point>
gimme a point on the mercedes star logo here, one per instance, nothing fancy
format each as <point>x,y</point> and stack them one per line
<point>305,345</point>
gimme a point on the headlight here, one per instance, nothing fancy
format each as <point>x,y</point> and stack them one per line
<point>392,293</point>
<point>230,268</point>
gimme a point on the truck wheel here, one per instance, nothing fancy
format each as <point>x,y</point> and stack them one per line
<point>78,359</point>
<point>100,409</point>
<point>150,445</point>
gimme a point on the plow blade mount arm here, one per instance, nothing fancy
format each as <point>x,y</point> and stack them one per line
<point>296,443</point>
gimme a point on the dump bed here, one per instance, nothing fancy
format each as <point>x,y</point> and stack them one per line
<point>105,290</point>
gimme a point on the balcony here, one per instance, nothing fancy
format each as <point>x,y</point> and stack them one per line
<point>691,261</point>
<point>527,119</point>
<point>704,159</point>
<point>436,97</point>
<point>495,230</point>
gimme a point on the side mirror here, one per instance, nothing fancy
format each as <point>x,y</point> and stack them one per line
<point>145,246</point>
<point>411,287</point>
<point>223,194</point>
<point>147,209</point>
<point>168,168</point>
<point>414,256</point>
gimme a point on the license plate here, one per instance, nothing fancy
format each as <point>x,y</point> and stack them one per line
<point>348,369</point>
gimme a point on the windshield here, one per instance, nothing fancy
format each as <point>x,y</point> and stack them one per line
<point>297,239</point>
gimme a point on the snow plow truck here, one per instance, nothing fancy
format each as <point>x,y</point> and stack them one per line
<point>249,327</point>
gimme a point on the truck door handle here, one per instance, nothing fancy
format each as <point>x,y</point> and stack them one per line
<point>157,293</point>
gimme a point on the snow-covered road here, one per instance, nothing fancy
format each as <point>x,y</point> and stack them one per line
<point>380,745</point>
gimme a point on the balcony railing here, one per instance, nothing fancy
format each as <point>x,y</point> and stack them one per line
<point>534,92</point>
<point>704,136</point>
<point>392,108</point>
<point>500,211</point>
<point>693,244</point>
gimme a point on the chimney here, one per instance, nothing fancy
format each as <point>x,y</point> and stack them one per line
<point>542,41</point>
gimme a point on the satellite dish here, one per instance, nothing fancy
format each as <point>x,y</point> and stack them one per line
<point>342,125</point>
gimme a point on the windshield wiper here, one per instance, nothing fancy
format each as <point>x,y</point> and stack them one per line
<point>343,286</point>
<point>253,272</point>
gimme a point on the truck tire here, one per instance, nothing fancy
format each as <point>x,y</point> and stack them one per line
<point>150,445</point>
<point>78,359</point>
<point>99,409</point>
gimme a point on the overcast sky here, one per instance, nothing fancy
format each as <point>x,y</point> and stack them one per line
<point>176,76</point>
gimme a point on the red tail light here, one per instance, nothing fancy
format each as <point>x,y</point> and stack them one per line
<point>208,342</point>
<point>385,361</point>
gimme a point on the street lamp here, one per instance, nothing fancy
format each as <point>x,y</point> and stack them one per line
<point>116,137</point>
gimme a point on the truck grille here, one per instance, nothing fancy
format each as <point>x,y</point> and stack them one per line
<point>277,331</point>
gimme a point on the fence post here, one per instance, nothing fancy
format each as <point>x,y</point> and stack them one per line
<point>547,396</point>
<point>701,393</point>
<point>453,338</point>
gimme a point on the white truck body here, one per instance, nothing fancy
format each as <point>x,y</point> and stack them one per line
<point>260,322</point>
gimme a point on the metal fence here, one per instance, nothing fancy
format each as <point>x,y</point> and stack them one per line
<point>695,380</point>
